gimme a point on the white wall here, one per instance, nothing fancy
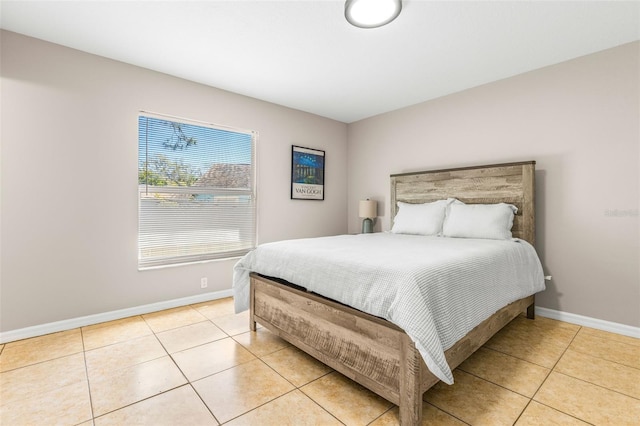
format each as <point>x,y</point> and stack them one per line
<point>580,120</point>
<point>69,206</point>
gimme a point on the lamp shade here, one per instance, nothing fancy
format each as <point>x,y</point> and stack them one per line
<point>368,208</point>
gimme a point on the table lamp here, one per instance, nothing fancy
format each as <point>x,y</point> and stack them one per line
<point>368,211</point>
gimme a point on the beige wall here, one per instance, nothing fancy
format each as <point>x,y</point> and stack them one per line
<point>69,180</point>
<point>68,155</point>
<point>580,120</point>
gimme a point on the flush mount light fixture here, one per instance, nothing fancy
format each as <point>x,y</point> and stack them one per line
<point>371,13</point>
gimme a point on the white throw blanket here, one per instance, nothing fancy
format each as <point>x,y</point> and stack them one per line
<point>436,289</point>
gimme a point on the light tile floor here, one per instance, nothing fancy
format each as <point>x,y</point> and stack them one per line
<point>200,365</point>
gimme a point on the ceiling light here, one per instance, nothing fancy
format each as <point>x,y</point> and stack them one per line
<point>371,13</point>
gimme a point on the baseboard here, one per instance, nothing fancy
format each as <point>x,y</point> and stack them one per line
<point>613,327</point>
<point>54,327</point>
<point>40,330</point>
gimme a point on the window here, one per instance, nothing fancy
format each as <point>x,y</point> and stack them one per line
<point>196,186</point>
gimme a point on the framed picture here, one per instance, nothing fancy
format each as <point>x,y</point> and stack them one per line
<point>307,173</point>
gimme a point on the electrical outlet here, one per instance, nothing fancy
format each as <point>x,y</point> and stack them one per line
<point>203,282</point>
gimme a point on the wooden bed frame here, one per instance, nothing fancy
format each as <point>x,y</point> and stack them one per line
<point>372,351</point>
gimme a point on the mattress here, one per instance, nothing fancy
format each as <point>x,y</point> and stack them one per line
<point>436,289</point>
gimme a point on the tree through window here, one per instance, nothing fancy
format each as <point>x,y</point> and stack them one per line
<point>196,185</point>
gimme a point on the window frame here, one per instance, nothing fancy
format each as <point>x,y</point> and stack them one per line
<point>251,192</point>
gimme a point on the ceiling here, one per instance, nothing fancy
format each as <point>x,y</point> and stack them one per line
<point>304,55</point>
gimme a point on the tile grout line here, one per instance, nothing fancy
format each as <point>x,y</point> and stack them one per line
<point>256,358</point>
<point>529,399</point>
<point>502,386</point>
<point>295,387</point>
<point>255,408</point>
<point>139,401</point>
<point>150,396</point>
<point>605,359</point>
<point>189,383</point>
<point>46,359</point>
<point>204,403</point>
<point>514,356</point>
<point>280,375</point>
<point>551,370</point>
<point>443,410</point>
<point>316,402</point>
<point>597,385</point>
<point>523,410</point>
<point>562,412</point>
<point>583,380</point>
<point>499,385</point>
<point>228,336</point>
<point>299,388</point>
<point>86,372</point>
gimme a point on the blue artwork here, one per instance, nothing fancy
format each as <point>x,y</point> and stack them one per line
<point>307,174</point>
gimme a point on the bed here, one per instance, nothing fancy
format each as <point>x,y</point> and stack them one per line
<point>374,351</point>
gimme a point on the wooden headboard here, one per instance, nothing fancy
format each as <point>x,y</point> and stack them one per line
<point>512,183</point>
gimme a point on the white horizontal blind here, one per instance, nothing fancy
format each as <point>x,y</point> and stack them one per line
<point>196,185</point>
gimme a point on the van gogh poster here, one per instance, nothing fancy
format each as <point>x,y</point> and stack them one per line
<point>307,174</point>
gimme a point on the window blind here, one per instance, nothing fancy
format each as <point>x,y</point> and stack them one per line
<point>197,195</point>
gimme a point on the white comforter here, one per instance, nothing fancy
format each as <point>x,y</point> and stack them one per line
<point>436,289</point>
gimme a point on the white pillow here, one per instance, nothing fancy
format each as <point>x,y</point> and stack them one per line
<point>491,221</point>
<point>420,219</point>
